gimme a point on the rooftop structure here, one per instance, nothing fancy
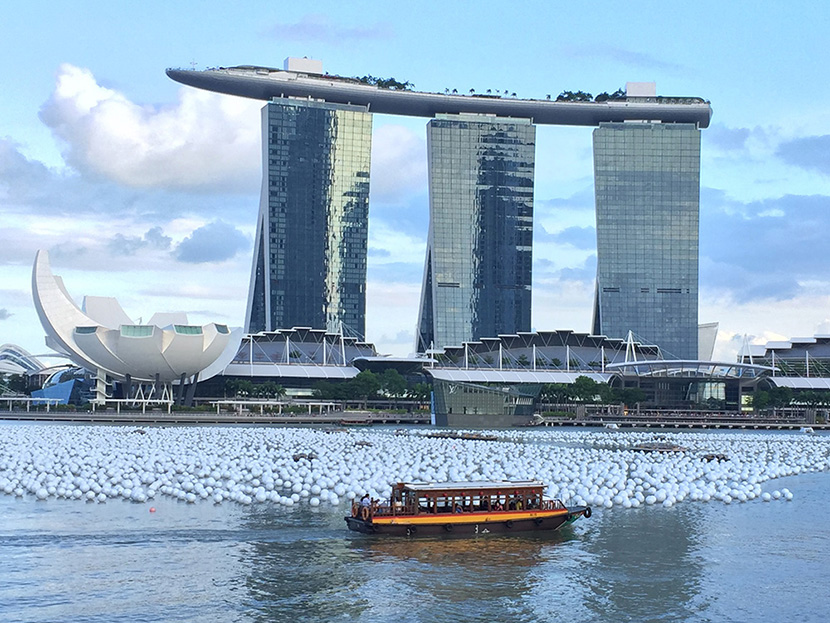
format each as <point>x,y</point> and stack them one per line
<point>298,353</point>
<point>17,360</point>
<point>806,357</point>
<point>266,83</point>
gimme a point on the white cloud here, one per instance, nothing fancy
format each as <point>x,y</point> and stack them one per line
<point>399,164</point>
<point>762,320</point>
<point>388,245</point>
<point>562,304</point>
<point>215,242</point>
<point>391,316</point>
<point>205,141</point>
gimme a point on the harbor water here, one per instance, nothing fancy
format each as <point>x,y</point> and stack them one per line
<point>69,560</point>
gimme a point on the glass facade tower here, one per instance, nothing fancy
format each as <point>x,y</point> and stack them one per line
<point>309,265</point>
<point>647,184</point>
<point>477,276</point>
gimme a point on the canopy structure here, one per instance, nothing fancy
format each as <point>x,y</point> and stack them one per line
<point>487,375</point>
<point>800,382</point>
<point>689,369</point>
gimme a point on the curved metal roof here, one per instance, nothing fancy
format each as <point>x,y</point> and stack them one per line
<point>800,382</point>
<point>266,83</point>
<point>17,360</point>
<point>487,375</point>
<point>290,370</point>
<point>690,368</point>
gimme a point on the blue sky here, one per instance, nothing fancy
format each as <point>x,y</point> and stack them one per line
<point>147,190</point>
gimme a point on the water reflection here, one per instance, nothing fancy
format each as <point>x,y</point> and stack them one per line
<point>456,579</point>
<point>645,564</point>
<point>317,569</point>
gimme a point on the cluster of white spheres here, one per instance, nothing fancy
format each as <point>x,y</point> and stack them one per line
<point>265,465</point>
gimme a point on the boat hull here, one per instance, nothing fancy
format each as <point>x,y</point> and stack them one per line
<point>453,525</point>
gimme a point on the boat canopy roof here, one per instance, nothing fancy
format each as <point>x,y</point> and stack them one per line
<point>483,485</point>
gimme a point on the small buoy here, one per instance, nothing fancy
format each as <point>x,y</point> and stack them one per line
<point>152,509</point>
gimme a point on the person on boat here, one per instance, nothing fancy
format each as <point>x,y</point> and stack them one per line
<point>498,506</point>
<point>485,504</point>
<point>459,508</point>
<point>365,502</point>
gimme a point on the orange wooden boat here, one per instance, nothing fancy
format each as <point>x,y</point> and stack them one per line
<point>463,508</point>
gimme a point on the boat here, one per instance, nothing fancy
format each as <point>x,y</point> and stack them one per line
<point>355,422</point>
<point>463,508</point>
<point>658,446</point>
<point>463,436</point>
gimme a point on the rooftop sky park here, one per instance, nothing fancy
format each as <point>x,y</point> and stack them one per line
<point>307,80</point>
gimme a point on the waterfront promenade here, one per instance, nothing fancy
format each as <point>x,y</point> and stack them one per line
<point>111,416</point>
<point>368,418</point>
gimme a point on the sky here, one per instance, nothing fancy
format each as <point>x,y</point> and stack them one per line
<point>147,190</point>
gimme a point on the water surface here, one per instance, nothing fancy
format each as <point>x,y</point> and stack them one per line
<point>64,560</point>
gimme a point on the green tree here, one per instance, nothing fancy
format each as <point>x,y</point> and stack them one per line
<point>780,397</point>
<point>386,83</point>
<point>231,387</point>
<point>245,388</point>
<point>270,389</point>
<point>325,390</point>
<point>556,392</point>
<point>239,388</point>
<point>420,391</point>
<point>17,383</point>
<point>760,400</point>
<point>813,398</point>
<point>574,96</point>
<point>365,385</point>
<point>523,361</point>
<point>586,389</point>
<point>392,383</point>
<point>629,396</point>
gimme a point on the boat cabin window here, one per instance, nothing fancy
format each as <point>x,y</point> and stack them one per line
<point>469,501</point>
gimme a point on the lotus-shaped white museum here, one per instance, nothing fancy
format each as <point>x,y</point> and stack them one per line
<point>100,337</point>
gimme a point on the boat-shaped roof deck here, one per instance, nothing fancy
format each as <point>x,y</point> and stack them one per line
<point>487,485</point>
<point>266,83</point>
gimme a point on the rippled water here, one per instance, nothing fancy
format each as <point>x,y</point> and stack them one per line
<point>71,561</point>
